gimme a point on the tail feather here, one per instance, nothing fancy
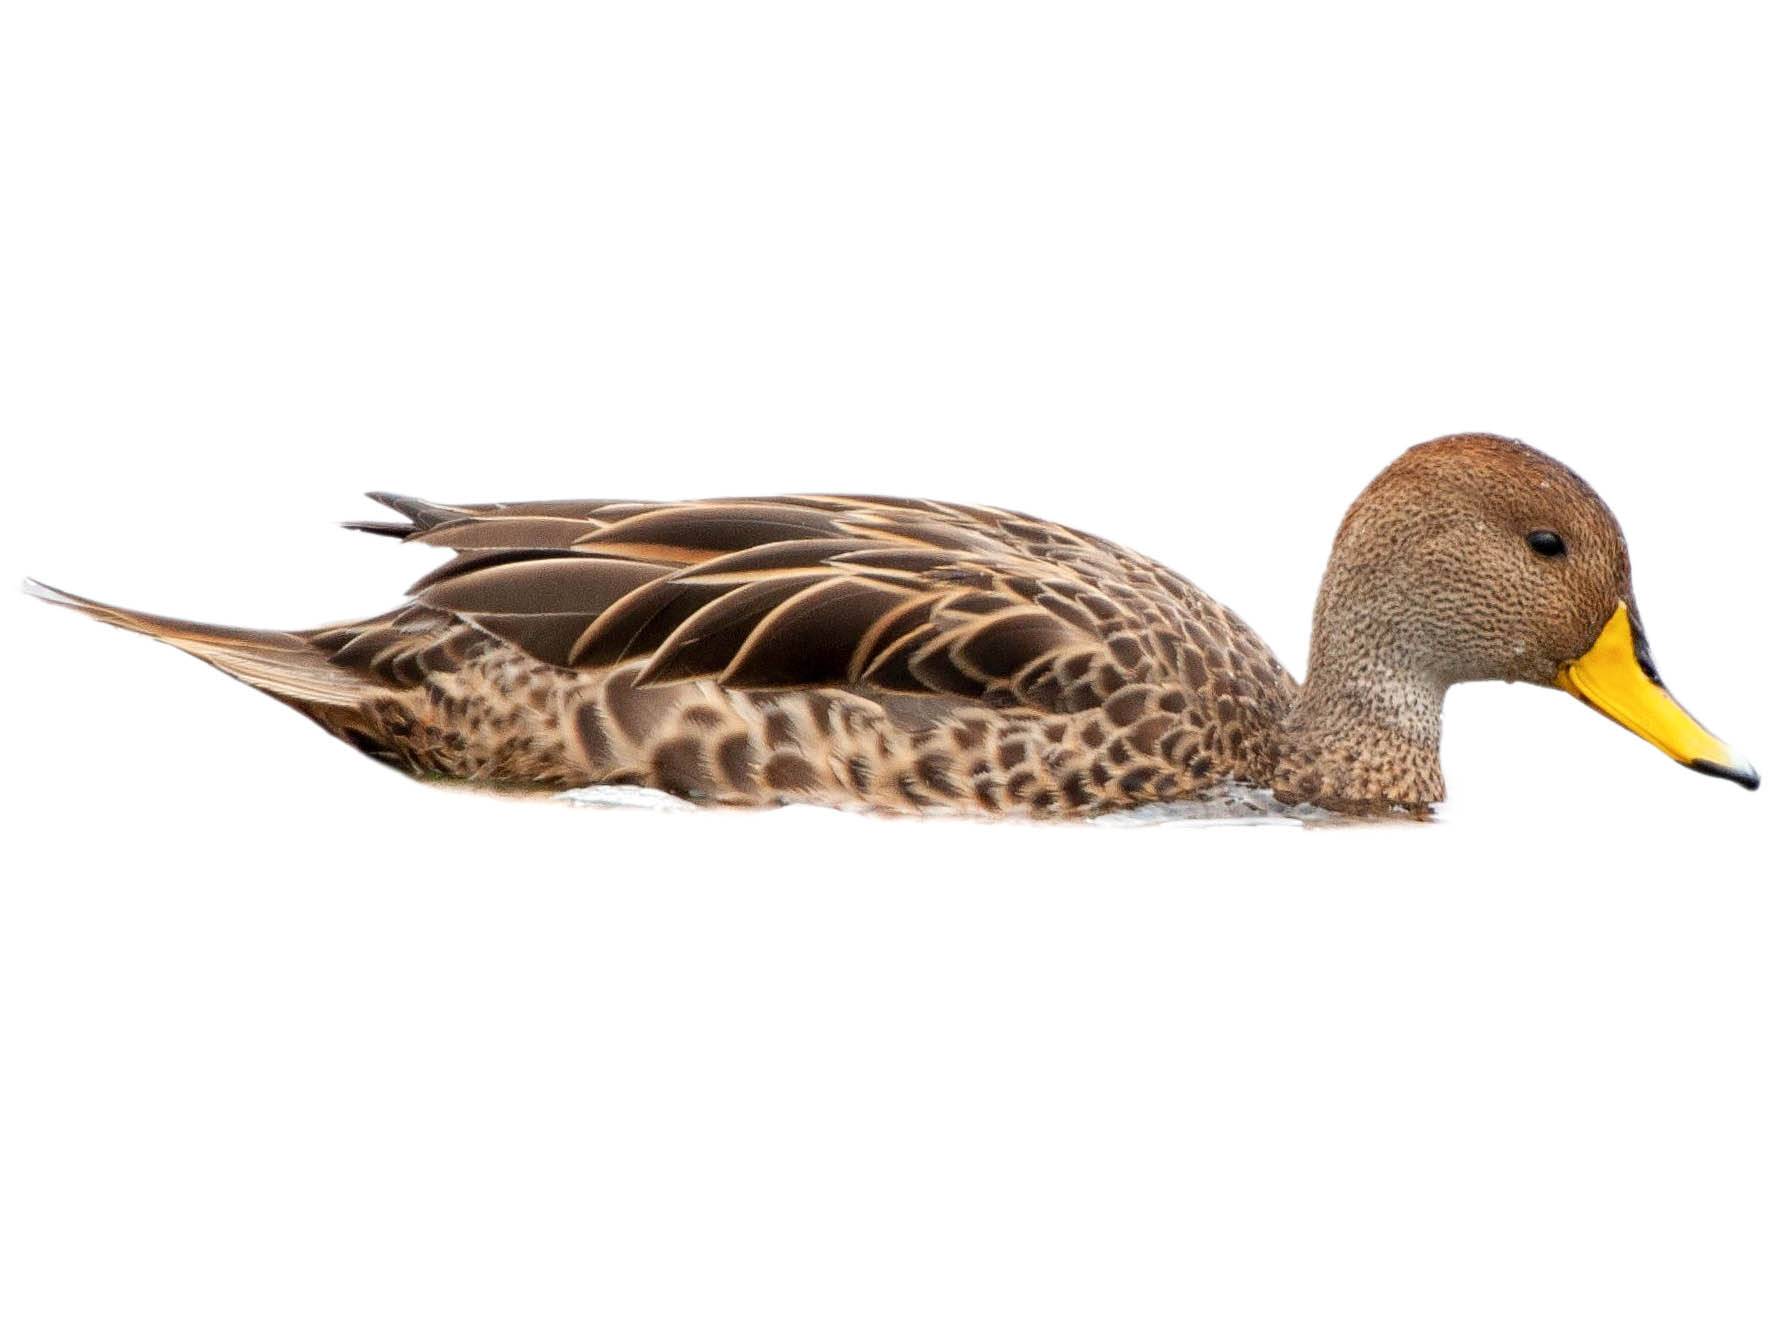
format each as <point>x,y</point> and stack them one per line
<point>284,665</point>
<point>421,515</point>
<point>398,530</point>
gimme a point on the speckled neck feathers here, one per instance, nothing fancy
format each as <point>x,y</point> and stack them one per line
<point>1357,741</point>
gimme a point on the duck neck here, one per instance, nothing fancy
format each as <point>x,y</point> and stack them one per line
<point>1363,735</point>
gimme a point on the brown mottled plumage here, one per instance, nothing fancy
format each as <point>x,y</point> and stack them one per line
<point>918,656</point>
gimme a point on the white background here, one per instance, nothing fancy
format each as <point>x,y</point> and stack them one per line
<point>294,1048</point>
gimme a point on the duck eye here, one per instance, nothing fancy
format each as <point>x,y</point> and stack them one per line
<point>1549,544</point>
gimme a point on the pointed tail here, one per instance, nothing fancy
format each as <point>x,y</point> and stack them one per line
<point>284,665</point>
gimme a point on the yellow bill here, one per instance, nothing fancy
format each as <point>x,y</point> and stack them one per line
<point>1611,678</point>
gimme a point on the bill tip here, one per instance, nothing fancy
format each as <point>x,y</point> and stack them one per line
<point>1736,771</point>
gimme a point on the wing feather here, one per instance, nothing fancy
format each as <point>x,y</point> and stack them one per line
<point>704,645</point>
<point>812,638</point>
<point>507,533</point>
<point>899,596</point>
<point>536,584</point>
<point>690,531</point>
<point>640,623</point>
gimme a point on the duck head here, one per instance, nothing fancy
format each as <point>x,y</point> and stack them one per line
<point>1471,558</point>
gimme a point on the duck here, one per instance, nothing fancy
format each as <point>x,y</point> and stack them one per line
<point>907,655</point>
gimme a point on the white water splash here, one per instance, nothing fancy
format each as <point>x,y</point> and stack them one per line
<point>1236,805</point>
<point>624,797</point>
